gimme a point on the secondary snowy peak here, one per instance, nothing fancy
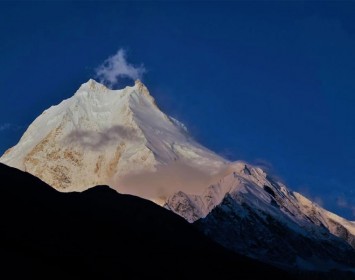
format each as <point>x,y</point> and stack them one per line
<point>253,186</point>
<point>247,195</point>
<point>98,136</point>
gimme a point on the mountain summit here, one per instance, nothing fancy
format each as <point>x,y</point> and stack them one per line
<point>98,136</point>
<point>122,139</point>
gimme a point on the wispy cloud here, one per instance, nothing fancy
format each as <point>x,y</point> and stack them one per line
<point>168,180</point>
<point>98,140</point>
<point>116,67</point>
<point>307,192</point>
<point>264,164</point>
<point>5,126</point>
<point>341,202</point>
<point>9,126</point>
<point>268,167</point>
<point>345,204</point>
<point>319,201</point>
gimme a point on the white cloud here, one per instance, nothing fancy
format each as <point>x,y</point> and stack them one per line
<point>116,67</point>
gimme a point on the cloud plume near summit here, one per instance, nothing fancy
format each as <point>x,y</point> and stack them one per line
<point>116,67</point>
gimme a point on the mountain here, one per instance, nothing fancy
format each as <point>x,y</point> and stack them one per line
<point>253,214</point>
<point>121,138</point>
<point>102,234</point>
<point>99,135</point>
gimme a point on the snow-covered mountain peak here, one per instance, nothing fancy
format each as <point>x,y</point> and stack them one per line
<point>92,86</point>
<point>134,97</point>
<point>99,135</point>
<point>91,83</point>
<point>141,87</point>
<point>122,139</point>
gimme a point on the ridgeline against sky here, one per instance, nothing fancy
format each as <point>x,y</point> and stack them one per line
<point>269,83</point>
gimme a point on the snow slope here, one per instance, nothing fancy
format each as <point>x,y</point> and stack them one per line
<point>256,188</point>
<point>247,209</point>
<point>100,135</point>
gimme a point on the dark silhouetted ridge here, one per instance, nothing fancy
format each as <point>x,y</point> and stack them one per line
<point>103,234</point>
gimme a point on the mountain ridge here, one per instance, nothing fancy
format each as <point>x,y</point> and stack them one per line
<point>121,138</point>
<point>251,188</point>
<point>90,233</point>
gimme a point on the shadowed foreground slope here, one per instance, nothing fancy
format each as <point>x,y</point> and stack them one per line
<point>102,233</point>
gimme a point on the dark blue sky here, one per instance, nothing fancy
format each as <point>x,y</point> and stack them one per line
<point>271,83</point>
